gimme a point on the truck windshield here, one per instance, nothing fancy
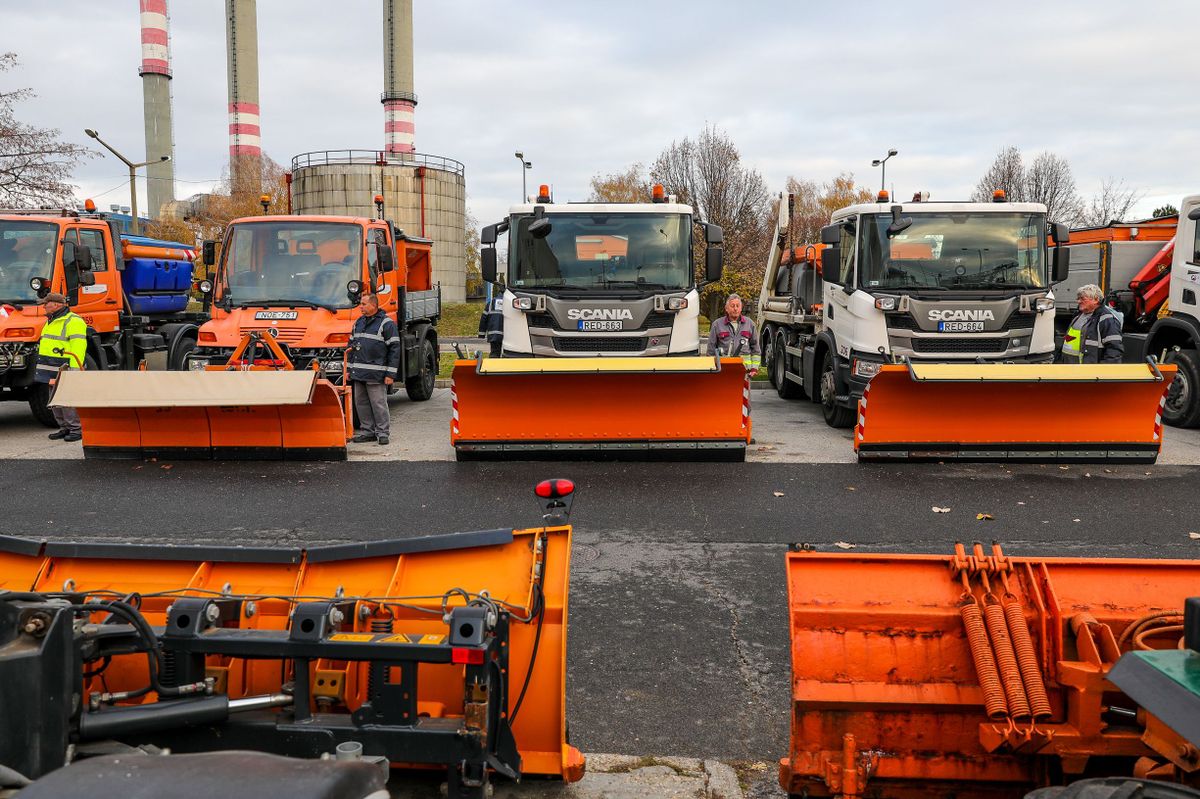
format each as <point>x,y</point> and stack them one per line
<point>954,251</point>
<point>273,263</point>
<point>604,250</point>
<point>26,251</point>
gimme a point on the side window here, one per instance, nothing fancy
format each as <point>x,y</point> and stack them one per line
<point>94,241</point>
<point>375,238</point>
<point>848,253</point>
<point>1196,246</point>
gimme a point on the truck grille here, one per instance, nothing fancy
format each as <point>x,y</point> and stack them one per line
<point>289,334</point>
<point>901,321</point>
<point>959,345</point>
<point>653,320</point>
<point>1016,320</point>
<point>599,344</point>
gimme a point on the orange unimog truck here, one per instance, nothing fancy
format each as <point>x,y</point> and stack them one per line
<point>300,278</point>
<point>132,291</point>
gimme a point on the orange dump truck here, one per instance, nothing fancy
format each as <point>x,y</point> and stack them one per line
<point>132,292</point>
<point>300,278</point>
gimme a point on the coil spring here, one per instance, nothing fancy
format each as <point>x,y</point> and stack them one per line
<point>1006,660</point>
<point>1027,659</point>
<point>985,662</point>
<point>377,672</point>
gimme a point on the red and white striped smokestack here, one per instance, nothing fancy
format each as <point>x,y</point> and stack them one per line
<point>399,101</point>
<point>245,142</point>
<point>156,97</point>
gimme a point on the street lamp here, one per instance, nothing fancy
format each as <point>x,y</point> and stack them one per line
<point>883,163</point>
<point>136,225</point>
<point>525,167</point>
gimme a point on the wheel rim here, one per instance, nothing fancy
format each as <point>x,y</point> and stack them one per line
<point>778,374</point>
<point>1179,396</point>
<point>828,391</point>
<point>430,375</point>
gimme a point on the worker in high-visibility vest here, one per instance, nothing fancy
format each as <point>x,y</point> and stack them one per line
<point>63,345</point>
<point>1095,333</point>
<point>734,336</point>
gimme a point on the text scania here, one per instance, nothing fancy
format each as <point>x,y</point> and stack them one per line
<point>943,315</point>
<point>589,314</point>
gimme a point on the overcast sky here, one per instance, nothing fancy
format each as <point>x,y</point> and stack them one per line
<point>802,88</point>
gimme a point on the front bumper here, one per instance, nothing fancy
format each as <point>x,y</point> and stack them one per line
<point>18,360</point>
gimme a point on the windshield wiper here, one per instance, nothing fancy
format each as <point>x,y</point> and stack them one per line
<point>286,303</point>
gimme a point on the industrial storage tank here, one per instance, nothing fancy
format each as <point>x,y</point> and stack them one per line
<point>424,194</point>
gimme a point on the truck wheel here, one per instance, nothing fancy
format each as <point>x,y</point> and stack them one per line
<point>835,415</point>
<point>39,397</point>
<point>1182,408</point>
<point>420,385</point>
<point>787,389</point>
<point>178,362</point>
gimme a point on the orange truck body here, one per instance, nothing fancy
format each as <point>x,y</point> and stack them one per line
<point>31,245</point>
<point>312,333</point>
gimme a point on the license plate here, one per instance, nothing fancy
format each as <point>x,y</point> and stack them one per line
<point>960,327</point>
<point>601,325</point>
<point>276,315</point>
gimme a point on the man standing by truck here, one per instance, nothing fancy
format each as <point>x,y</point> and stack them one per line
<point>733,336</point>
<point>1095,332</point>
<point>374,362</point>
<point>63,344</point>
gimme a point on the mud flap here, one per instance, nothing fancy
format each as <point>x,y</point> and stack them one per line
<point>1058,413</point>
<point>685,408</point>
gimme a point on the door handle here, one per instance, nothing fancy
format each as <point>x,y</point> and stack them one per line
<point>110,301</point>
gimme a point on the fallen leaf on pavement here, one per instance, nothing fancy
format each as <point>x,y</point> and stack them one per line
<point>1194,536</point>
<point>851,488</point>
<point>936,509</point>
<point>167,466</point>
<point>982,517</point>
<point>843,545</point>
<point>1020,503</point>
<point>778,493</point>
<point>1076,520</point>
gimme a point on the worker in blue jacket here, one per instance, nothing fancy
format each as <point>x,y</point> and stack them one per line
<point>374,363</point>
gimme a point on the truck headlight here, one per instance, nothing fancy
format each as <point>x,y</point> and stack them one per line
<point>866,369</point>
<point>197,364</point>
<point>676,303</point>
<point>885,303</point>
<point>522,303</point>
<point>1044,304</point>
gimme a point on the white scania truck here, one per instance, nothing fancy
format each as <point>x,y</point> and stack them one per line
<point>923,281</point>
<point>601,279</point>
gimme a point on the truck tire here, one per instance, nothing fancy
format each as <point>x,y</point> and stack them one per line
<point>835,415</point>
<point>787,389</point>
<point>420,385</point>
<point>1182,408</point>
<point>183,349</point>
<point>39,397</point>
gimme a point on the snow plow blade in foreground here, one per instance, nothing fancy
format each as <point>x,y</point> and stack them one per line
<point>1057,413</point>
<point>975,674</point>
<point>261,409</point>
<point>677,408</point>
<point>437,652</point>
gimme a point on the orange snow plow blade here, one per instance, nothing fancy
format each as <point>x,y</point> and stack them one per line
<point>973,675</point>
<point>1057,413</point>
<point>684,408</point>
<point>313,623</point>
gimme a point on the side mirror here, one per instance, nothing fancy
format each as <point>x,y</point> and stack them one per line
<point>713,234</point>
<point>1061,260</point>
<point>540,228</point>
<point>1194,214</point>
<point>831,264</point>
<point>714,263</point>
<point>83,258</point>
<point>899,224</point>
<point>387,260</point>
<point>488,235</point>
<point>209,251</point>
<point>1060,233</point>
<point>831,235</point>
<point>487,264</point>
<point>354,290</point>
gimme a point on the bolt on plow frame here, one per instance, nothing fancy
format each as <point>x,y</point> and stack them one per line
<point>980,674</point>
<point>1057,413</point>
<point>436,652</point>
<point>257,407</point>
<point>637,408</point>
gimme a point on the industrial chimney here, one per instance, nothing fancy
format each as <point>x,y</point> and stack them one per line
<point>245,145</point>
<point>156,100</point>
<point>398,98</point>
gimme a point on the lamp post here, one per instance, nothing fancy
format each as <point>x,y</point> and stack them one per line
<point>882,162</point>
<point>525,167</point>
<point>135,226</point>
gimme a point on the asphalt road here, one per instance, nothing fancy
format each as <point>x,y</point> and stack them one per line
<point>678,631</point>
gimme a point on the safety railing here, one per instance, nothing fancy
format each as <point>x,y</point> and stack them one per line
<point>377,158</point>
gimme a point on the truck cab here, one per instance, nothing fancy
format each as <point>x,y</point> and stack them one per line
<point>301,278</point>
<point>1175,335</point>
<point>600,279</point>
<point>920,281</point>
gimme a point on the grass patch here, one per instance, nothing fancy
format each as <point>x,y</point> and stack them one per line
<point>748,772</point>
<point>446,363</point>
<point>644,762</point>
<point>459,319</point>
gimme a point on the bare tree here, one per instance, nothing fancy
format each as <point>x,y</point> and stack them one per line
<point>707,174</point>
<point>629,186</point>
<point>1007,173</point>
<point>1049,181</point>
<point>1112,203</point>
<point>35,165</point>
